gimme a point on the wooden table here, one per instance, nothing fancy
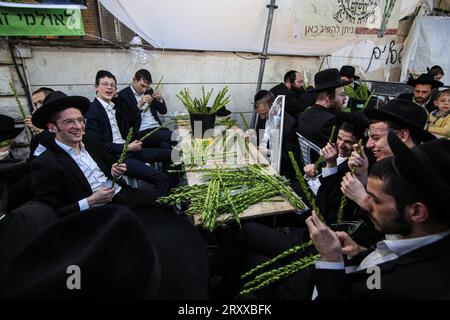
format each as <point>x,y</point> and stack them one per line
<point>241,159</point>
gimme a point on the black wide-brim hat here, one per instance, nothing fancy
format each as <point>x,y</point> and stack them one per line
<point>406,113</point>
<point>9,164</point>
<point>425,166</point>
<point>348,71</point>
<point>358,119</point>
<point>55,102</point>
<point>119,256</point>
<point>8,130</point>
<point>425,78</point>
<point>327,79</point>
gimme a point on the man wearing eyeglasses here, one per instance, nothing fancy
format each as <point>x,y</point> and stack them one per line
<point>406,119</point>
<point>317,121</point>
<point>107,121</point>
<point>75,173</point>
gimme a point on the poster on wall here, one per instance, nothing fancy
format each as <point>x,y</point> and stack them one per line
<point>346,18</point>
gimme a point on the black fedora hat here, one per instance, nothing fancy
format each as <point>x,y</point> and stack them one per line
<point>406,113</point>
<point>55,102</point>
<point>115,256</point>
<point>348,71</point>
<point>7,128</point>
<point>6,165</point>
<point>358,119</point>
<point>327,79</point>
<point>425,78</point>
<point>119,255</point>
<point>426,167</point>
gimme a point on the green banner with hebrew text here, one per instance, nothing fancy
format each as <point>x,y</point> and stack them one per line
<point>40,22</point>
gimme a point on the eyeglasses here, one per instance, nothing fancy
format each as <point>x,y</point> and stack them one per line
<point>107,84</point>
<point>73,122</point>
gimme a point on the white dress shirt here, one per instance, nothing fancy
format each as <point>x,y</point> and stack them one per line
<point>387,250</point>
<point>147,119</point>
<point>328,171</point>
<point>111,112</point>
<point>94,175</point>
<point>39,150</point>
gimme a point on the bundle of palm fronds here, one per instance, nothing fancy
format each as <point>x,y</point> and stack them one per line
<point>200,105</point>
<point>361,93</point>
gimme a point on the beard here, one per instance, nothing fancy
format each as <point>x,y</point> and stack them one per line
<point>398,226</point>
<point>336,106</point>
<point>421,100</point>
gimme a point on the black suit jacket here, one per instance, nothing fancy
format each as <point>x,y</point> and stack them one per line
<point>419,274</point>
<point>409,96</point>
<point>130,103</point>
<point>98,125</point>
<point>58,181</point>
<point>296,101</point>
<point>329,196</point>
<point>315,124</point>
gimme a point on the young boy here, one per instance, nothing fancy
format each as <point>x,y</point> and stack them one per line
<point>439,120</point>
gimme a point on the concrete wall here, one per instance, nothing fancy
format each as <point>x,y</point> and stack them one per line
<point>73,71</point>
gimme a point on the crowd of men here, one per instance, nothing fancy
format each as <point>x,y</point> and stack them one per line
<point>71,202</point>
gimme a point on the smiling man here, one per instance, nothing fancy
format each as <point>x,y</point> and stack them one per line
<point>406,118</point>
<point>75,173</point>
<point>351,129</point>
<point>405,203</point>
<point>109,123</point>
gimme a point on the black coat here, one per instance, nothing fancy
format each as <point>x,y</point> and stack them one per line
<point>130,104</point>
<point>329,196</point>
<point>409,96</point>
<point>58,181</point>
<point>296,101</point>
<point>98,125</point>
<point>419,274</point>
<point>315,124</point>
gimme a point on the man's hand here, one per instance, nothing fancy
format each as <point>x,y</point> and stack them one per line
<point>349,247</point>
<point>325,240</point>
<point>157,95</point>
<point>101,196</point>
<point>310,170</point>
<point>360,163</point>
<point>146,98</point>
<point>135,146</point>
<point>118,170</point>
<point>330,154</point>
<point>353,189</point>
<point>30,125</point>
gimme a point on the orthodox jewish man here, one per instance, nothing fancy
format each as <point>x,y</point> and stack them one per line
<point>75,173</point>
<point>316,122</point>
<point>406,203</point>
<point>422,91</point>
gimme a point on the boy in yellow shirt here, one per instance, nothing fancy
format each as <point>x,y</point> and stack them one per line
<point>439,120</point>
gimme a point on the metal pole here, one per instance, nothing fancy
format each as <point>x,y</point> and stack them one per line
<point>263,55</point>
